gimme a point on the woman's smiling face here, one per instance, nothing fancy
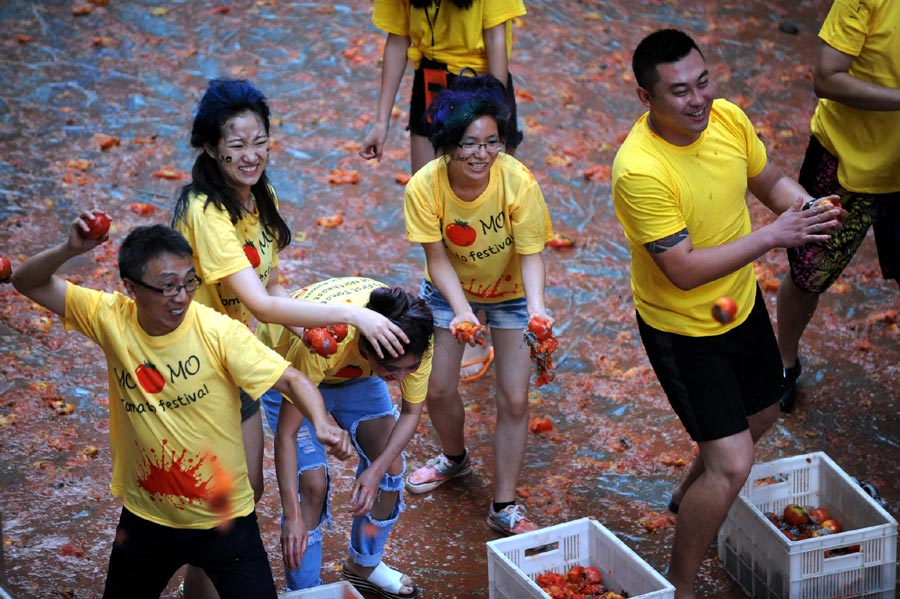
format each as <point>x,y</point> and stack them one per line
<point>476,163</point>
<point>243,150</point>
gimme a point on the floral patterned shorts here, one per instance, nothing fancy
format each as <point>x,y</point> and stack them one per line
<point>815,267</point>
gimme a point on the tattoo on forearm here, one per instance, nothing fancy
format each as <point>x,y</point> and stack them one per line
<point>661,245</point>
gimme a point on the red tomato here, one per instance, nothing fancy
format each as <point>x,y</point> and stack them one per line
<point>592,575</point>
<point>832,526</point>
<point>321,341</point>
<point>540,327</point>
<point>5,269</point>
<point>795,515</point>
<point>98,226</point>
<point>724,309</point>
<point>576,574</point>
<point>150,378</point>
<point>350,371</point>
<point>460,233</point>
<point>819,515</point>
<point>338,331</point>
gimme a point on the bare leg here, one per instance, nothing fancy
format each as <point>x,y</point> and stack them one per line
<point>726,465</point>
<point>445,407</point>
<point>759,424</point>
<point>794,310</point>
<point>511,433</point>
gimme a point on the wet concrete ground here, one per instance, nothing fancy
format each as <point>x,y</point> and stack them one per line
<point>134,71</point>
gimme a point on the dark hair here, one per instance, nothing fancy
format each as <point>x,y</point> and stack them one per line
<point>463,4</point>
<point>223,100</point>
<point>408,312</point>
<point>663,46</point>
<point>143,244</point>
<point>466,100</point>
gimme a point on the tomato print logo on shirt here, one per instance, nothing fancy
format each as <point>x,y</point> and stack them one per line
<point>252,254</point>
<point>460,233</point>
<point>350,371</point>
<point>150,378</point>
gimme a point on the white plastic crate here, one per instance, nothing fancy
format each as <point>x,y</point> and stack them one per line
<point>767,565</point>
<point>335,590</point>
<point>515,562</point>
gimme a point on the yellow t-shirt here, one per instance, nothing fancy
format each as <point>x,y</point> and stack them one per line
<point>174,408</point>
<point>659,189</point>
<point>866,142</point>
<point>458,34</point>
<point>222,248</point>
<point>347,363</point>
<point>483,238</point>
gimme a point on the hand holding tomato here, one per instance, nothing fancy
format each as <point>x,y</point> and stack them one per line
<point>321,341</point>
<point>470,332</point>
<point>96,225</point>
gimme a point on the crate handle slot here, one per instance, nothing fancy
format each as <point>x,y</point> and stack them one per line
<point>542,549</point>
<point>840,563</point>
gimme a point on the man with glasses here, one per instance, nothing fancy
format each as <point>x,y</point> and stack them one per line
<point>174,369</point>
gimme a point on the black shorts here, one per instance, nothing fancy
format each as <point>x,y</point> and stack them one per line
<point>419,125</point>
<point>249,406</point>
<point>714,383</point>
<point>146,555</point>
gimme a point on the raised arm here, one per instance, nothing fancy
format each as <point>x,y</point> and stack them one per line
<point>832,80</point>
<point>36,278</point>
<point>392,68</point>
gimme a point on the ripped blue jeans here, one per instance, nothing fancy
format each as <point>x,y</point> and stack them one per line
<point>349,403</point>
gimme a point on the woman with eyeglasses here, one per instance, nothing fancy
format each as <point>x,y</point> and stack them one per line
<point>229,214</point>
<point>482,221</point>
<point>441,38</point>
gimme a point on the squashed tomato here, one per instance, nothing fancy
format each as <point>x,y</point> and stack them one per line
<point>540,327</point>
<point>466,332</point>
<point>321,341</point>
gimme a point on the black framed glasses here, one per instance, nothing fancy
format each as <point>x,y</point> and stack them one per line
<point>470,147</point>
<point>170,289</point>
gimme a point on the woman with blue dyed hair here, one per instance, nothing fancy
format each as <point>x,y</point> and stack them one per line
<point>229,214</point>
<point>482,221</point>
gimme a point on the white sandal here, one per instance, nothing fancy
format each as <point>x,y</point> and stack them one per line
<point>383,581</point>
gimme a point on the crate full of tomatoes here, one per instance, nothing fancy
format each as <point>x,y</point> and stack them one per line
<point>802,528</point>
<point>582,559</point>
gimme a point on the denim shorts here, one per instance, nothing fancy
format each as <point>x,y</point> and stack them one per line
<point>511,314</point>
